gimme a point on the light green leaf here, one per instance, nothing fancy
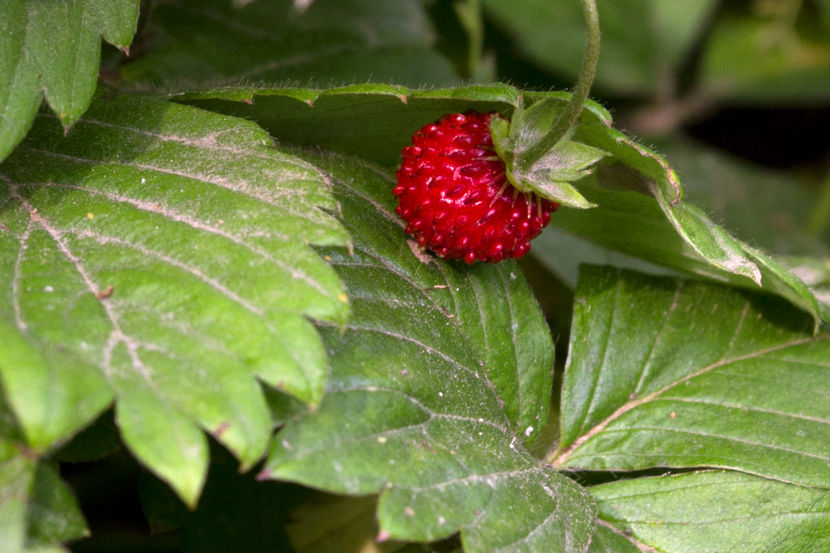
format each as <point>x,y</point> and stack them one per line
<point>16,474</point>
<point>641,39</point>
<point>160,254</point>
<point>441,375</point>
<point>53,48</point>
<point>672,373</point>
<point>37,510</point>
<point>344,41</point>
<point>562,253</point>
<point>53,513</point>
<point>712,512</point>
<point>551,175</point>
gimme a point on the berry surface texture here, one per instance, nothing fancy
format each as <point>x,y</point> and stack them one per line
<point>454,195</point>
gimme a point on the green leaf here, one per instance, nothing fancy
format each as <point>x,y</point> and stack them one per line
<point>607,540</point>
<point>688,241</point>
<point>562,253</point>
<point>347,41</point>
<point>767,57</point>
<point>385,116</point>
<point>761,205</point>
<point>53,514</point>
<point>640,38</point>
<point>53,48</point>
<point>639,211</point>
<point>37,510</point>
<point>435,385</point>
<point>672,373</point>
<point>711,512</point>
<point>160,254</point>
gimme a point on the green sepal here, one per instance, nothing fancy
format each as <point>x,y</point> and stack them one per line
<point>550,174</point>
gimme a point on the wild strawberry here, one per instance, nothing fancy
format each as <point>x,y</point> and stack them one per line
<point>454,194</point>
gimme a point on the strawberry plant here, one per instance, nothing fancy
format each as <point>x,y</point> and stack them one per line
<point>248,306</point>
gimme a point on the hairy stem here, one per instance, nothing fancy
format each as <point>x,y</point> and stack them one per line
<point>570,115</point>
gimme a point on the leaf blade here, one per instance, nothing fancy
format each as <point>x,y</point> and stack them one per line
<point>751,514</point>
<point>158,233</point>
<point>434,434</point>
<point>55,49</point>
<point>677,402</point>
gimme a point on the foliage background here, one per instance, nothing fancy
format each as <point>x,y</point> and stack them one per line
<point>734,94</point>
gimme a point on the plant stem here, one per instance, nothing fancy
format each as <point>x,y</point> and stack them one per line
<point>471,19</point>
<point>570,115</point>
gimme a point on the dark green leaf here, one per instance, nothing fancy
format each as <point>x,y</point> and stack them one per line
<point>53,48</point>
<point>385,117</point>
<point>342,41</point>
<point>641,39</point>
<point>672,373</point>
<point>767,57</point>
<point>712,512</point>
<point>96,441</point>
<point>338,524</point>
<point>440,377</point>
<point>161,254</point>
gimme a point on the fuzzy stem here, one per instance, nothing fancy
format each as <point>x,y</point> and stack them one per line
<point>570,115</point>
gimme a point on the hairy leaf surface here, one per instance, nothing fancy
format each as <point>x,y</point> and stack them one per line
<point>639,194</point>
<point>442,375</point>
<point>671,373</point>
<point>160,255</point>
<point>711,512</point>
<point>53,49</point>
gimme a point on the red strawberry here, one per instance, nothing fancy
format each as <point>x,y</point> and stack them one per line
<point>454,194</point>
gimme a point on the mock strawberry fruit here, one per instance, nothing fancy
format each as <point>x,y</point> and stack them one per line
<point>454,194</point>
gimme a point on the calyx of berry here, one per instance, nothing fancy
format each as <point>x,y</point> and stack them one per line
<point>534,162</point>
